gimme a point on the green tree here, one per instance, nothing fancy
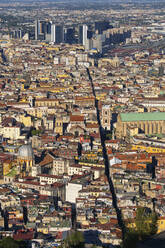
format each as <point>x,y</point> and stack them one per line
<point>35,132</point>
<point>108,136</point>
<point>131,239</point>
<point>74,240</point>
<point>146,222</point>
<point>8,242</point>
<point>154,225</point>
<point>146,226</point>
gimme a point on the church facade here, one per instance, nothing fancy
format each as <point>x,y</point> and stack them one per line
<point>147,123</point>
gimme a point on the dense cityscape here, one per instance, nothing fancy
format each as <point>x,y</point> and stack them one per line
<point>82,124</point>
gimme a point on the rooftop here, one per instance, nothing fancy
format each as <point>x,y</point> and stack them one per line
<point>147,116</point>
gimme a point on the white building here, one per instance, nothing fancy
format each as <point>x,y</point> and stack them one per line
<point>71,191</point>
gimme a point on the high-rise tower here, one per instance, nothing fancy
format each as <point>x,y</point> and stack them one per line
<point>83,32</point>
<point>57,33</point>
<point>42,28</point>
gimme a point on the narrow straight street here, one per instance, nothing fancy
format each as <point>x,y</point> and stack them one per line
<point>106,162</point>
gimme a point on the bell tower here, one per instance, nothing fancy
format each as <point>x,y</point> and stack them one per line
<point>31,101</point>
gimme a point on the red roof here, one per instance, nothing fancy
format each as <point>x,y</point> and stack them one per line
<point>77,118</point>
<point>47,159</point>
<point>23,235</point>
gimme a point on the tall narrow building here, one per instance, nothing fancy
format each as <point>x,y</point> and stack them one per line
<point>42,28</point>
<point>36,29</point>
<point>83,32</point>
<point>57,33</point>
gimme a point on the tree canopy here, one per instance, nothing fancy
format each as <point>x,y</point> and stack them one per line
<point>9,242</point>
<point>74,240</point>
<point>146,222</point>
<point>145,226</point>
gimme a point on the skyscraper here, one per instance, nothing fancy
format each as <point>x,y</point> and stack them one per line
<point>36,29</point>
<point>69,35</point>
<point>41,29</point>
<point>57,33</point>
<point>17,34</point>
<point>83,31</point>
<point>48,27</point>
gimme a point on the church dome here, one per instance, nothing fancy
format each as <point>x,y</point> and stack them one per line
<point>25,152</point>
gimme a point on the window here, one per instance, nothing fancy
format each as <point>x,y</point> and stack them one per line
<point>156,127</point>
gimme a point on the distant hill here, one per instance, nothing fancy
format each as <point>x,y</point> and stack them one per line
<point>83,1</point>
<point>101,1</point>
